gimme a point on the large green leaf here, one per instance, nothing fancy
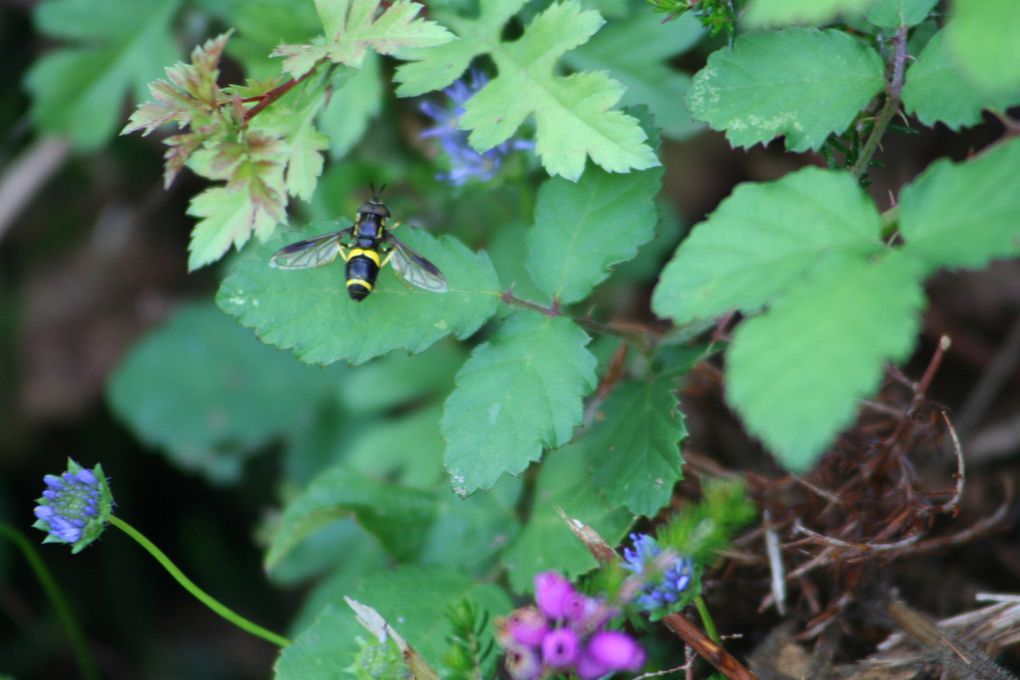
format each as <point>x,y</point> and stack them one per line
<point>937,92</point>
<point>310,312</point>
<point>80,91</point>
<point>799,82</point>
<point>796,373</point>
<point>633,449</point>
<point>582,229</point>
<point>983,35</point>
<point>398,378</point>
<point>965,214</point>
<point>546,541</point>
<point>574,117</point>
<point>519,392</point>
<point>779,12</point>
<point>201,388</point>
<point>636,52</point>
<point>895,13</point>
<point>762,239</point>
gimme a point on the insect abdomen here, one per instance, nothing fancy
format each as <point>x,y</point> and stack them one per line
<point>362,269</point>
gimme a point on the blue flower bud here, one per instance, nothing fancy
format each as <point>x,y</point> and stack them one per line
<point>75,507</point>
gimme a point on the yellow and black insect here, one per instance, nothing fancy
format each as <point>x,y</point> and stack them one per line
<point>366,248</point>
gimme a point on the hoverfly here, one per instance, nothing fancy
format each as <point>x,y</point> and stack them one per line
<point>366,248</point>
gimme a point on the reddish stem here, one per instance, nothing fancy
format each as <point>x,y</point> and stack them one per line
<point>264,100</point>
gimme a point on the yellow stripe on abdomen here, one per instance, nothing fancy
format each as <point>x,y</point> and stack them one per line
<point>370,254</point>
<point>363,282</point>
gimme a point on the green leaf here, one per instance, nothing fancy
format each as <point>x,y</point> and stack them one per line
<point>309,311</point>
<point>80,91</point>
<point>351,107</point>
<point>407,450</point>
<point>799,82</point>
<point>796,373</point>
<point>764,238</point>
<point>780,12</point>
<point>438,67</point>
<point>573,116</point>
<point>206,392</point>
<point>546,541</point>
<point>352,27</point>
<point>520,391</point>
<point>304,153</point>
<point>636,52</point>
<point>397,379</point>
<point>397,515</point>
<point>937,92</point>
<point>231,216</point>
<point>582,229</point>
<point>983,36</point>
<point>965,214</point>
<point>323,650</point>
<point>896,13</point>
<point>633,448</point>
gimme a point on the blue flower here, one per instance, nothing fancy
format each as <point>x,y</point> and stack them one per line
<point>666,590</point>
<point>465,162</point>
<point>75,506</point>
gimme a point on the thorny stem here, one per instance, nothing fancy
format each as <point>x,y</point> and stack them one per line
<point>266,99</point>
<point>638,333</point>
<point>891,105</point>
<point>189,585</point>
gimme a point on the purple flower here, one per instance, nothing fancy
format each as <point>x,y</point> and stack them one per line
<point>522,663</point>
<point>560,648</point>
<point>667,588</point>
<point>74,507</point>
<point>465,162</point>
<point>551,592</point>
<point>615,650</point>
<point>527,626</point>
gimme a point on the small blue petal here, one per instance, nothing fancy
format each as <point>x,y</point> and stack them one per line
<point>54,482</point>
<point>85,475</point>
<point>44,512</point>
<point>51,494</point>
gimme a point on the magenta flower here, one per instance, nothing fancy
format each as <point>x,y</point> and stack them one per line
<point>616,651</point>
<point>527,626</point>
<point>551,591</point>
<point>560,648</point>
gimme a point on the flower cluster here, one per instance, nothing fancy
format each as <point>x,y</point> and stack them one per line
<point>675,576</point>
<point>465,162</point>
<point>75,506</point>
<point>565,632</point>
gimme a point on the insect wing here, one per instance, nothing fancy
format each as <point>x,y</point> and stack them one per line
<point>415,269</point>
<point>314,252</point>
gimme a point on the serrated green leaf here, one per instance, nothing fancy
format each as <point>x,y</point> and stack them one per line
<point>781,12</point>
<point>573,116</point>
<point>352,27</point>
<point>206,392</point>
<point>896,13</point>
<point>799,82</point>
<point>304,154</point>
<point>546,541</point>
<point>351,107</point>
<point>636,53</point>
<point>309,311</point>
<point>762,239</point>
<point>965,214</point>
<point>582,229</point>
<point>262,25</point>
<point>229,217</point>
<point>438,67</point>
<point>983,36</point>
<point>80,91</point>
<point>633,449</point>
<point>398,378</point>
<point>397,515</point>
<point>323,650</point>
<point>796,373</point>
<point>937,92</point>
<point>519,392</point>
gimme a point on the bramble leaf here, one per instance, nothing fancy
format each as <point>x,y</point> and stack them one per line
<point>781,12</point>
<point>546,541</point>
<point>796,373</point>
<point>207,393</point>
<point>574,118</point>
<point>799,82</point>
<point>79,91</point>
<point>582,229</point>
<point>764,238</point>
<point>936,91</point>
<point>308,311</point>
<point>633,448</point>
<point>964,214</point>
<point>351,27</point>
<point>520,391</point>
<point>636,52</point>
<point>896,13</point>
<point>982,35</point>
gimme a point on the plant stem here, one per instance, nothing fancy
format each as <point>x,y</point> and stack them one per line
<point>190,586</point>
<point>638,333</point>
<point>264,100</point>
<point>706,619</point>
<point>82,653</point>
<point>891,105</point>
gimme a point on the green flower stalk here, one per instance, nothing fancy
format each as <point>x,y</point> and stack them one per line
<point>75,509</point>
